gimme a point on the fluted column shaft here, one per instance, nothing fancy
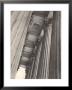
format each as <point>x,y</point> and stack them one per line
<point>33,33</point>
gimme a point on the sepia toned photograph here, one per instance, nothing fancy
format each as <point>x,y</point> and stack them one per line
<point>35,44</point>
